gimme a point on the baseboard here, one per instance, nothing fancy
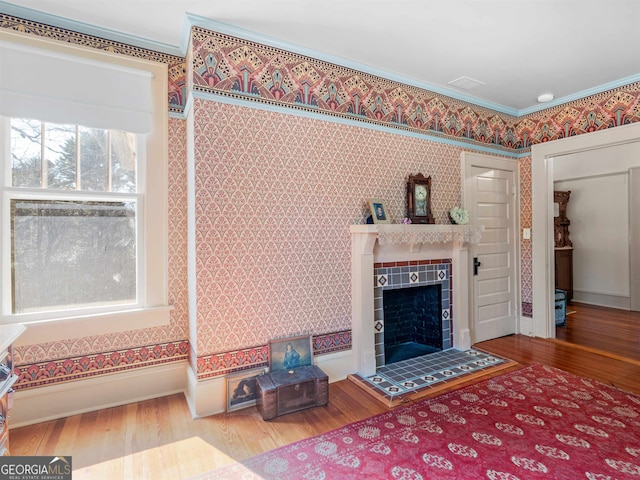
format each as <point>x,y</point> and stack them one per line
<point>602,299</point>
<point>205,397</point>
<point>208,397</point>
<point>41,404</point>
<point>462,341</point>
<point>337,365</point>
<point>526,326</point>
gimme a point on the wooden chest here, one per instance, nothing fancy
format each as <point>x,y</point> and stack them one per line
<point>291,390</point>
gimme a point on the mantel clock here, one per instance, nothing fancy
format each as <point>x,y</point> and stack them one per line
<point>419,199</point>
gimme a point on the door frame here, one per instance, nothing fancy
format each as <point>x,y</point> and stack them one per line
<point>634,238</point>
<point>503,163</point>
<point>542,154</point>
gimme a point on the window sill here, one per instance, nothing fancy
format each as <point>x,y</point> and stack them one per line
<point>45,331</point>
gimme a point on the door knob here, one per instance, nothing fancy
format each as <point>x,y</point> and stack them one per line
<point>476,264</point>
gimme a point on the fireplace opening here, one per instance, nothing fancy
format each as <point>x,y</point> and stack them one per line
<point>412,322</point>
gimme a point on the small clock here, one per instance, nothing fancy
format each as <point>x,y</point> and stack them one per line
<point>419,199</point>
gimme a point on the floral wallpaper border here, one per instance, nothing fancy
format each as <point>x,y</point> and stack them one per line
<point>242,69</point>
<point>238,68</point>
<point>85,366</point>
<point>209,366</point>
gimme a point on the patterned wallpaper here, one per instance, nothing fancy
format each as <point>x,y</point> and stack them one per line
<point>275,195</point>
<point>526,251</point>
<point>239,68</point>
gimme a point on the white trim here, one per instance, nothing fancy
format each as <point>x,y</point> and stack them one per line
<point>634,239</point>
<point>153,308</point>
<point>88,29</point>
<point>542,155</point>
<point>104,391</point>
<point>192,257</point>
<point>205,397</point>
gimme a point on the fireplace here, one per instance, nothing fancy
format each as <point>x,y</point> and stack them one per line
<point>412,322</point>
<point>412,315</point>
<point>390,256</point>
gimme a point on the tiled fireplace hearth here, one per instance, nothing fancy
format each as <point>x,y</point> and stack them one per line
<point>385,257</point>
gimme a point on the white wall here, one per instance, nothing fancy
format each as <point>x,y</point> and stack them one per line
<point>599,213</point>
<point>599,230</point>
<point>598,161</point>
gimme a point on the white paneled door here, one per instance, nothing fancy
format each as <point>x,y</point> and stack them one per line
<point>491,198</point>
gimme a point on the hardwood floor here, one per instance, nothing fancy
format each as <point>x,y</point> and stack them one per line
<point>589,363</point>
<point>614,331</point>
<point>158,439</point>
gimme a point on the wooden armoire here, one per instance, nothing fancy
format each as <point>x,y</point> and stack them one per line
<point>563,245</point>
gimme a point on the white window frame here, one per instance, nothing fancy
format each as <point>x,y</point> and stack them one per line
<point>152,309</point>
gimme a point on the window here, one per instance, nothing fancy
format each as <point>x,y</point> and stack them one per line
<point>83,179</point>
<point>71,248</point>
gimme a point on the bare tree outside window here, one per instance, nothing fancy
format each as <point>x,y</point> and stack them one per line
<point>26,153</point>
<point>72,254</point>
<point>72,251</point>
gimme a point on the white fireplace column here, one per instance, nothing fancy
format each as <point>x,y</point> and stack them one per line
<point>371,244</point>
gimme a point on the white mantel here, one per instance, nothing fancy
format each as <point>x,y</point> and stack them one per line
<point>372,244</point>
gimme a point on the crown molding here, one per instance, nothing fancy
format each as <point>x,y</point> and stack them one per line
<point>579,95</point>
<point>192,20</point>
<point>88,29</point>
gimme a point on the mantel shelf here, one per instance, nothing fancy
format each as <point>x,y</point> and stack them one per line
<point>395,234</point>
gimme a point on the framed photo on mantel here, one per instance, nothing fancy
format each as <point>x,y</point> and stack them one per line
<point>379,212</point>
<point>419,199</point>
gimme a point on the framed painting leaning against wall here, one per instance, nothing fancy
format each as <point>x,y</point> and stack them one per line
<point>242,390</point>
<point>289,353</point>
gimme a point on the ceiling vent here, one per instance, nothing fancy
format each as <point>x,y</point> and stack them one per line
<point>466,83</point>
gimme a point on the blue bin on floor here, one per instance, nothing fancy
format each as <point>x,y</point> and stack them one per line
<point>561,307</point>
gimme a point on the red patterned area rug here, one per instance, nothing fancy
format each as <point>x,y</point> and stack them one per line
<point>535,422</point>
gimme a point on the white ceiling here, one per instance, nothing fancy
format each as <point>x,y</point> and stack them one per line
<point>517,48</point>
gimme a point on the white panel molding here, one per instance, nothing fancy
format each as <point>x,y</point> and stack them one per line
<point>41,404</point>
<point>205,397</point>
